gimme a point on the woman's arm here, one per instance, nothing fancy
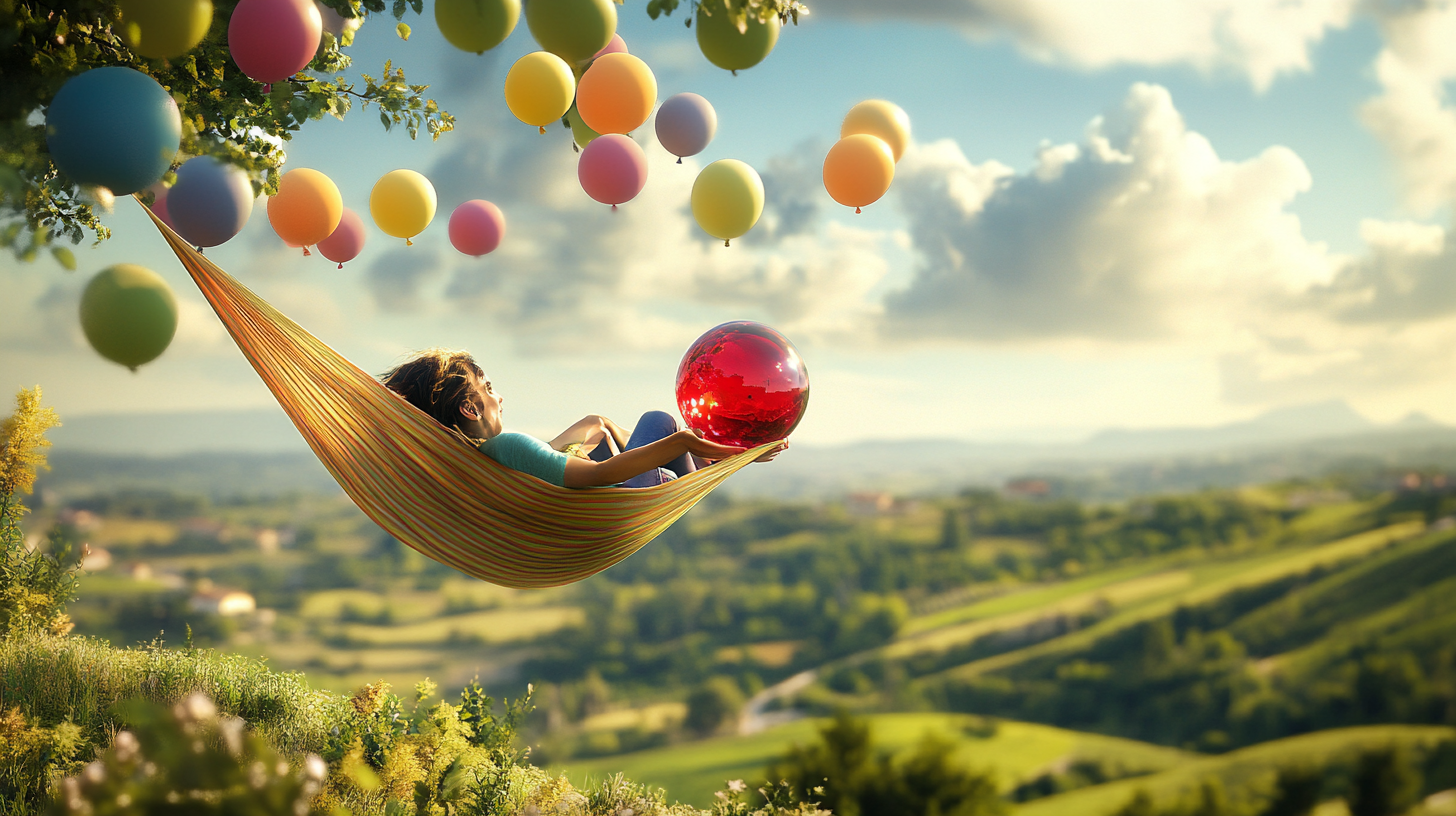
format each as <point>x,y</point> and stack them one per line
<point>625,465</point>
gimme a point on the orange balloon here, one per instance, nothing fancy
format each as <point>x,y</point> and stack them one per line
<point>858,170</point>
<point>616,94</point>
<point>306,209</point>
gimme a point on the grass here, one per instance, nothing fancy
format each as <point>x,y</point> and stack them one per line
<point>1254,766</point>
<point>82,680</point>
<point>1015,750</point>
<point>491,626</point>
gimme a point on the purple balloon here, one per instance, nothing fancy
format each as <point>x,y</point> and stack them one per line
<point>686,124</point>
<point>346,241</point>
<point>477,227</point>
<point>211,201</point>
<point>271,40</point>
<point>612,169</point>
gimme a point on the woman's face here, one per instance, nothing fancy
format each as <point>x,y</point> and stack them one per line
<point>484,407</point>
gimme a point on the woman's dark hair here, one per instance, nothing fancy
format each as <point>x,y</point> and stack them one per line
<point>435,381</point>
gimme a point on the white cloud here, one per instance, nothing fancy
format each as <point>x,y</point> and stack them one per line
<point>1257,38</point>
<point>1412,115</point>
<point>1140,232</point>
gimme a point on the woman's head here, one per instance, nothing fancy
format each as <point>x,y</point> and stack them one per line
<point>451,388</point>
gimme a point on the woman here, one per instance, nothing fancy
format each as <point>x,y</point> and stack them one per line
<point>452,389</point>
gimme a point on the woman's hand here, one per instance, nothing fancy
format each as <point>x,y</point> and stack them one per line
<point>778,448</point>
<point>695,444</point>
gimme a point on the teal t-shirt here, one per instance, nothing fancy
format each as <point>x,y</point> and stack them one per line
<point>527,454</point>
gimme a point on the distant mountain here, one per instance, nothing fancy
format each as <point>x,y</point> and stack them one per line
<point>171,434</point>
<point>1279,426</point>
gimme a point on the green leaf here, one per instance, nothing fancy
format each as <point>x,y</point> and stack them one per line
<point>65,257</point>
<point>403,30</point>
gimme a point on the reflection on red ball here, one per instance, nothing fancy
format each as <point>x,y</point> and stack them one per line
<point>742,384</point>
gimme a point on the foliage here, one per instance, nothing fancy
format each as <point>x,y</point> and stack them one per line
<point>32,757</point>
<point>855,779</point>
<point>739,10</point>
<point>1386,783</point>
<point>224,112</point>
<point>190,761</point>
<point>713,705</point>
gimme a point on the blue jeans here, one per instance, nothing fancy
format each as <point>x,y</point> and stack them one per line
<point>653,425</point>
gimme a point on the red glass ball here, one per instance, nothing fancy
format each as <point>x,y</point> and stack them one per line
<point>742,383</point>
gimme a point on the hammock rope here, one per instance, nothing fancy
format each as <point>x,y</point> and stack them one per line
<point>419,482</point>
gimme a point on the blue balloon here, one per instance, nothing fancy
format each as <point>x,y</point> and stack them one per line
<point>113,127</point>
<point>211,201</point>
<point>685,125</point>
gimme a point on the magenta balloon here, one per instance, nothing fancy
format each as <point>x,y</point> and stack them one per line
<point>612,169</point>
<point>159,205</point>
<point>346,241</point>
<point>271,40</point>
<point>477,227</point>
<point>686,123</point>
<point>617,45</point>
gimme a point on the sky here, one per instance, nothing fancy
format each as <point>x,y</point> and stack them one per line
<point>1114,213</point>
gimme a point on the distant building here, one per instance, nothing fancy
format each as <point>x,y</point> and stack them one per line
<point>225,602</point>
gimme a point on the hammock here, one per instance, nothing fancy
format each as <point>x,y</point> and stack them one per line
<point>420,483</point>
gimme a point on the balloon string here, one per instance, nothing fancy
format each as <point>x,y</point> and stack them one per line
<point>543,129</point>
<point>306,252</point>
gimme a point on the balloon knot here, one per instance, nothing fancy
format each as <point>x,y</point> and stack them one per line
<point>133,369</point>
<point>725,243</point>
<point>267,87</point>
<point>856,209</point>
<point>341,266</point>
<point>199,250</point>
<point>306,252</point>
<point>614,208</point>
<point>408,242</point>
<point>679,159</point>
<point>735,73</point>
<point>543,129</point>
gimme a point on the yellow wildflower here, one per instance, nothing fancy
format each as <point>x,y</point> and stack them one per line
<point>23,442</point>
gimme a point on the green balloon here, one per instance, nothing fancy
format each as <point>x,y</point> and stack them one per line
<point>129,314</point>
<point>477,25</point>
<point>728,48</point>
<point>164,29</point>
<point>580,133</point>
<point>574,30</point>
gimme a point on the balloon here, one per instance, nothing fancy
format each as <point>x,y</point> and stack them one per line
<point>686,123</point>
<point>616,46</point>
<point>574,30</point>
<point>477,25</point>
<point>612,169</point>
<point>539,88</point>
<point>858,170</point>
<point>159,201</point>
<point>727,199</point>
<point>580,133</point>
<point>742,383</point>
<point>336,23</point>
<point>306,209</point>
<point>403,204</point>
<point>271,40</point>
<point>129,314</point>
<point>882,119</point>
<point>477,227</point>
<point>163,29</point>
<point>211,201</point>
<point>725,46</point>
<point>113,127</point>
<point>616,94</point>
<point>346,241</point>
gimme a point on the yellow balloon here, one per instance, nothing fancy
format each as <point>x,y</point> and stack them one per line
<point>858,170</point>
<point>727,199</point>
<point>877,117</point>
<point>403,204</point>
<point>539,88</point>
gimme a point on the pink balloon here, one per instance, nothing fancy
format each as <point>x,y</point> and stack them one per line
<point>616,46</point>
<point>477,227</point>
<point>159,206</point>
<point>346,241</point>
<point>612,169</point>
<point>271,40</point>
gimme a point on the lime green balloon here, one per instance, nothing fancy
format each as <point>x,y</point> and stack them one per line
<point>164,29</point>
<point>580,133</point>
<point>574,30</point>
<point>477,25</point>
<point>129,314</point>
<point>727,199</point>
<point>728,48</point>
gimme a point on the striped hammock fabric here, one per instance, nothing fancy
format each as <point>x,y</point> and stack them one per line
<point>422,484</point>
